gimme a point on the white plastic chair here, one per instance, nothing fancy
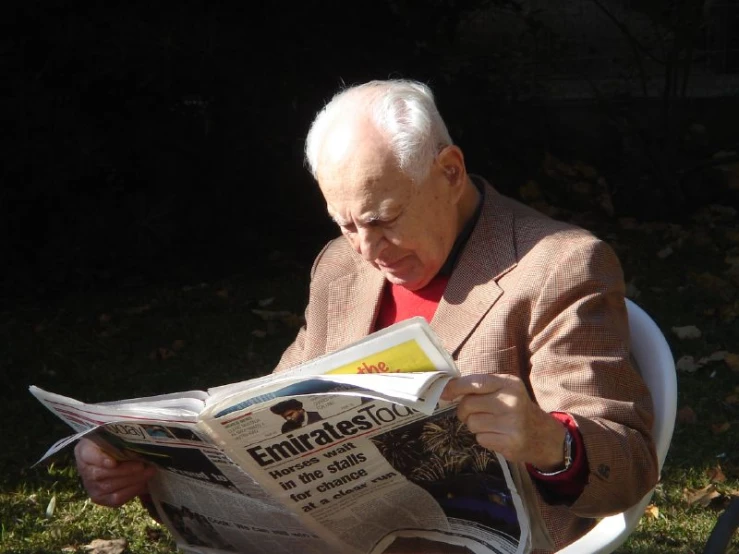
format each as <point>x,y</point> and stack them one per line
<point>657,366</point>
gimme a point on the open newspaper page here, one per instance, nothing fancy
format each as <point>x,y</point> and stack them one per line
<point>365,471</point>
<point>349,453</point>
<point>208,503</point>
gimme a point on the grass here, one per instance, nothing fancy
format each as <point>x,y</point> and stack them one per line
<point>155,338</point>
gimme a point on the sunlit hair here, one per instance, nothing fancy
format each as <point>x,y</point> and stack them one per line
<point>403,111</point>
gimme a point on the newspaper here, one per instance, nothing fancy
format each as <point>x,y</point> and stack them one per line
<point>352,452</point>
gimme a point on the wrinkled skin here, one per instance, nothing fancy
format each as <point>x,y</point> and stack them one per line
<point>108,481</point>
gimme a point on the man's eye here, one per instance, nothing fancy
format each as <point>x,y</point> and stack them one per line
<point>388,223</point>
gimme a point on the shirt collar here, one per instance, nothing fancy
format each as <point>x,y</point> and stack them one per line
<point>465,233</point>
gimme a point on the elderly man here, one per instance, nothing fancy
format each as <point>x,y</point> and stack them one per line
<point>531,309</point>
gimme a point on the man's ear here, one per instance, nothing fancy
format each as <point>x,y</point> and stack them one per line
<point>451,160</point>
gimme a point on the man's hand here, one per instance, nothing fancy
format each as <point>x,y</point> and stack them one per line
<point>499,411</point>
<point>109,482</point>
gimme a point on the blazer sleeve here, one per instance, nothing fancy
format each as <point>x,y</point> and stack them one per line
<point>580,364</point>
<point>299,350</point>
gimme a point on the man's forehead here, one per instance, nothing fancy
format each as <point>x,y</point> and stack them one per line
<point>366,209</point>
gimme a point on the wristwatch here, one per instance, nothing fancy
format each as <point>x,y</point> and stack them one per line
<point>567,457</point>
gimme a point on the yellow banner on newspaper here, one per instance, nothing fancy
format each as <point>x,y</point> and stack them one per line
<point>406,357</point>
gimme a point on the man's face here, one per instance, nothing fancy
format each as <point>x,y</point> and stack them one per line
<point>296,416</point>
<point>403,229</point>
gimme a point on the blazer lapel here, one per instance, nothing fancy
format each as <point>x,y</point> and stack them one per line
<point>472,290</point>
<point>353,301</point>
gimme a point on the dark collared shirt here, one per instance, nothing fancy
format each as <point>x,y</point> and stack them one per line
<point>464,235</point>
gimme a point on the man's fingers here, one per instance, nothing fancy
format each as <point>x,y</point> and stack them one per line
<point>477,384</point>
<point>501,404</point>
<point>501,443</point>
<point>109,482</point>
<point>118,497</point>
<point>484,423</point>
<point>128,471</point>
<point>117,486</point>
<point>88,453</point>
<point>112,485</point>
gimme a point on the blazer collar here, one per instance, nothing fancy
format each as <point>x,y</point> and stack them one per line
<point>489,254</point>
<point>353,302</point>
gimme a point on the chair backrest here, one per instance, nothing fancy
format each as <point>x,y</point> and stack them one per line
<point>657,366</point>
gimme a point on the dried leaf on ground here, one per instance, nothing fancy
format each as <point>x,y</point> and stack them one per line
<point>719,428</point>
<point>715,474</point>
<point>713,283</point>
<point>732,399</point>
<point>652,511</point>
<point>687,364</point>
<point>721,154</point>
<point>530,191</point>
<point>581,187</point>
<point>687,332</point>
<point>729,312</point>
<point>632,291</point>
<point>553,167</point>
<point>628,223</point>
<point>720,209</point>
<point>100,546</point>
<point>586,170</point>
<point>701,239</point>
<point>686,415</point>
<point>717,356</point>
<point>732,360</point>
<point>702,497</point>
<point>138,310</point>
<point>665,252</point>
<point>272,315</point>
<point>294,320</point>
<point>546,209</point>
<point>606,203</point>
<point>188,288</point>
<point>161,353</point>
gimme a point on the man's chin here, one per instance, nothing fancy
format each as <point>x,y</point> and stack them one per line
<point>410,282</point>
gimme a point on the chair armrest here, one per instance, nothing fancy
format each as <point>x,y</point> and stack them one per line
<point>610,532</point>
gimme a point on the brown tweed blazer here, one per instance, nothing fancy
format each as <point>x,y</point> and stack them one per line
<point>531,297</point>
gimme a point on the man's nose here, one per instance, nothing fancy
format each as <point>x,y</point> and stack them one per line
<point>370,242</point>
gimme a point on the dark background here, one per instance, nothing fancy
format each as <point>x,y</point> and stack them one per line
<point>151,141</point>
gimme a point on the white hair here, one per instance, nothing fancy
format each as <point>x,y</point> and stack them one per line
<point>403,111</point>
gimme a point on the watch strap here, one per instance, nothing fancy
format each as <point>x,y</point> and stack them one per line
<point>567,456</point>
